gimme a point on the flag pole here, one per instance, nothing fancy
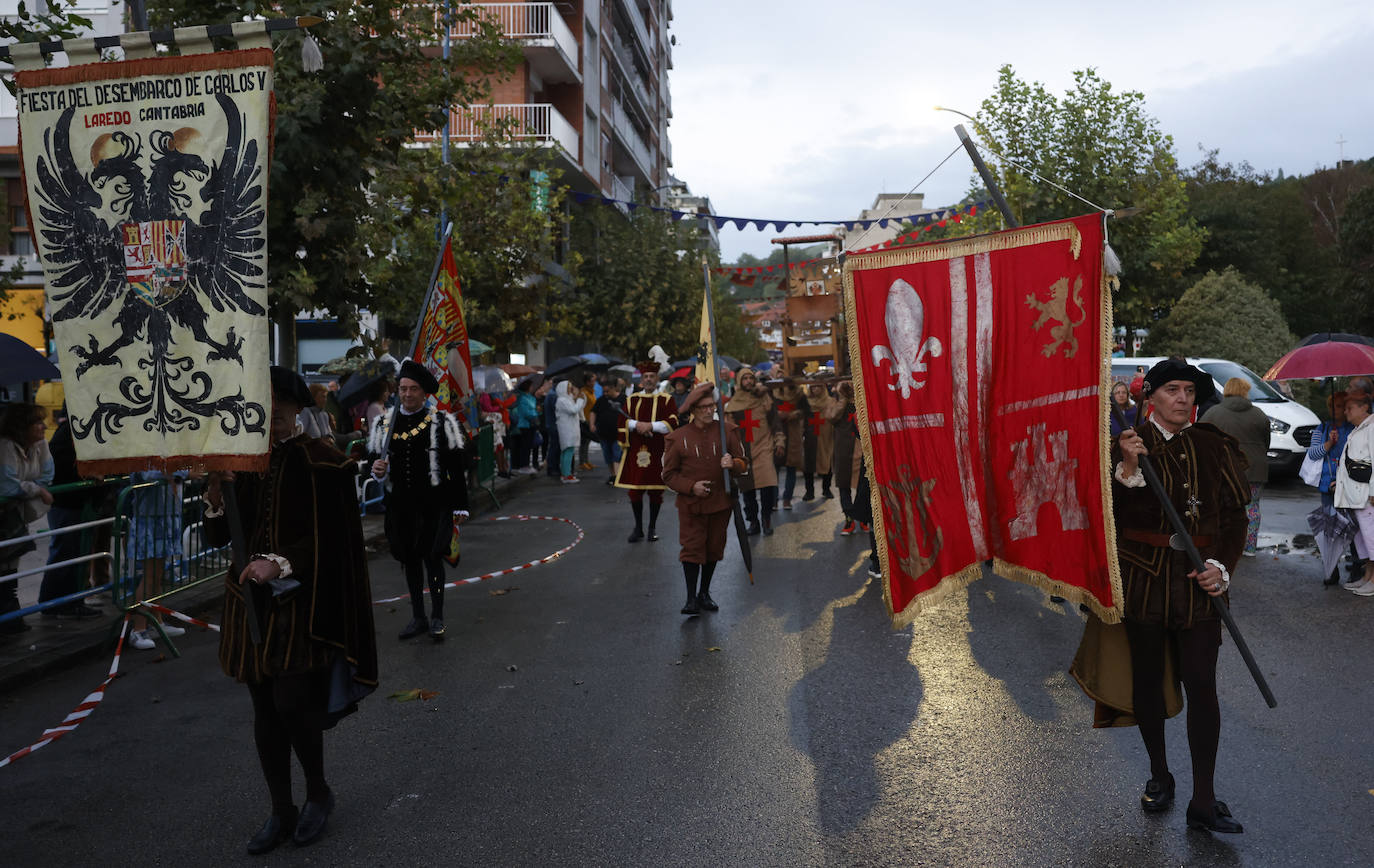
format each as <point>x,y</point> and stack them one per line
<point>1184,538</point>
<point>419,323</point>
<point>714,359</point>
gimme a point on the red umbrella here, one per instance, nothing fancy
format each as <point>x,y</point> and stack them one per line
<point>1320,356</point>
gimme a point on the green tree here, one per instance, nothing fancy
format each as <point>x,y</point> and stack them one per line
<point>1357,260</point>
<point>640,284</point>
<point>501,241</point>
<point>339,127</point>
<point>1103,145</point>
<point>1261,226</point>
<point>1224,316</point>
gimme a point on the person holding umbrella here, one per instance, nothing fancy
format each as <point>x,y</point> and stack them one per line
<point>1353,488</point>
<point>692,467</point>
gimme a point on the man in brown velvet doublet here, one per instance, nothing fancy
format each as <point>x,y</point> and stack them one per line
<point>1167,603</point>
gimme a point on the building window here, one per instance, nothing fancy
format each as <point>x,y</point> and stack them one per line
<point>21,244</point>
<point>19,217</point>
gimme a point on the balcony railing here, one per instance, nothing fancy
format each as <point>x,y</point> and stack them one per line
<point>535,123</point>
<point>633,142</point>
<point>526,21</point>
<point>622,188</point>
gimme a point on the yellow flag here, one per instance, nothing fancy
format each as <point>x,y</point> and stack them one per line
<point>708,368</point>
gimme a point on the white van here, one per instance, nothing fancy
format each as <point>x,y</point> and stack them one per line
<point>1291,425</point>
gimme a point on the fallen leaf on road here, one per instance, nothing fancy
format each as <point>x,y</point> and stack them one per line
<point>500,592</point>
<point>677,662</point>
<point>712,649</point>
<point>413,694</point>
<point>579,683</point>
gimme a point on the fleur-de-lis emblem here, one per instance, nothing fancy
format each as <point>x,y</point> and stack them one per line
<point>905,350</point>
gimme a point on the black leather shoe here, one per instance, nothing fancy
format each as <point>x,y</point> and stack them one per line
<point>653,534</point>
<point>767,527</point>
<point>753,529</point>
<point>311,824</point>
<point>416,627</point>
<point>436,629</point>
<point>704,601</point>
<point>272,834</point>
<point>1217,820</point>
<point>692,607</point>
<point>636,535</point>
<point>1158,795</point>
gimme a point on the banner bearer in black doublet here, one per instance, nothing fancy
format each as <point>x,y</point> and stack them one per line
<point>306,581</point>
<point>427,488</point>
<point>1167,605</point>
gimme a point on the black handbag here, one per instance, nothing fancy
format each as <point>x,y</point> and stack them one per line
<point>1358,471</point>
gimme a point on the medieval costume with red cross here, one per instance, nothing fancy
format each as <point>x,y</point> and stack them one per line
<point>650,416</point>
<point>752,410</point>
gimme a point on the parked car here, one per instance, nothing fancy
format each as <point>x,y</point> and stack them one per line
<point>1291,425</point>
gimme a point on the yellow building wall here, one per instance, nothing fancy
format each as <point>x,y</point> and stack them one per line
<point>21,315</point>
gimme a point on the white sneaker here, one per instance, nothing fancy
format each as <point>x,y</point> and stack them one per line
<point>1363,583</point>
<point>142,640</point>
<point>173,630</point>
<point>1366,590</point>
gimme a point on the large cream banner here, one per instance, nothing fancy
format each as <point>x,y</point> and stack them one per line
<point>147,192</point>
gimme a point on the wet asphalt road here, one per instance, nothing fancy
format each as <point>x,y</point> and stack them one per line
<point>580,720</point>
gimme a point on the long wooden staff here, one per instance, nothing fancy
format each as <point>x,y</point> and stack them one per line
<point>740,534</point>
<point>1182,538</point>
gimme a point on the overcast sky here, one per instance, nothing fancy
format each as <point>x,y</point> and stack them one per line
<point>807,110</point>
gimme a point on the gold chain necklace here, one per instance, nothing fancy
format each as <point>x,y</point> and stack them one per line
<point>415,432</point>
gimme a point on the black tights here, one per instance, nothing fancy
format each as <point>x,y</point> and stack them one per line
<point>1197,660</point>
<point>283,720</point>
<point>416,569</point>
<point>689,573</point>
<point>637,507</point>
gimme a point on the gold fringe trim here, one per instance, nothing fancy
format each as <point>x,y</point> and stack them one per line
<point>1046,233</point>
<point>170,463</point>
<point>950,584</point>
<point>1106,470</point>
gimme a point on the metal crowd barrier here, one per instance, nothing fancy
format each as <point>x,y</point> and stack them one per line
<point>486,461</point>
<point>159,546</point>
<point>88,524</point>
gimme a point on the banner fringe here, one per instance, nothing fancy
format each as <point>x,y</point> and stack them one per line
<point>170,463</point>
<point>171,65</point>
<point>933,597</point>
<point>952,249</point>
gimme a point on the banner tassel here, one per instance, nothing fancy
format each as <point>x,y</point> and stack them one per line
<point>311,58</point>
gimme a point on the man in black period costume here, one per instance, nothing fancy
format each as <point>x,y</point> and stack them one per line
<point>306,581</point>
<point>1167,605</point>
<point>424,472</point>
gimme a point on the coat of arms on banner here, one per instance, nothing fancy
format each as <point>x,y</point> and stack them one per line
<point>147,188</point>
<point>980,375</point>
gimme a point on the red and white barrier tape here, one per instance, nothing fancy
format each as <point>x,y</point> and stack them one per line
<point>525,566</point>
<point>180,616</point>
<point>81,712</point>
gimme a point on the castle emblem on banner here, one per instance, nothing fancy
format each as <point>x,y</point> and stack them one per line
<point>155,259</point>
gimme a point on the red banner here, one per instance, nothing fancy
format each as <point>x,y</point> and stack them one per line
<point>442,345</point>
<point>979,367</point>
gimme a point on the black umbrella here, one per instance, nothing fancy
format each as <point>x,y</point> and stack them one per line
<point>596,361</point>
<point>563,366</point>
<point>1341,337</point>
<point>21,363</point>
<point>356,387</point>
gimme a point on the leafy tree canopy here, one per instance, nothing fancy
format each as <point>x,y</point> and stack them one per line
<point>1261,226</point>
<point>1103,145</point>
<point>640,283</point>
<point>1223,316</point>
<point>501,241</point>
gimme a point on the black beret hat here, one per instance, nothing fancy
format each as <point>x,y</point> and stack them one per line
<point>290,386</point>
<point>413,370</point>
<point>1175,369</point>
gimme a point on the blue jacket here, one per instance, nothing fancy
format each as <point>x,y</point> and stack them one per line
<point>526,412</point>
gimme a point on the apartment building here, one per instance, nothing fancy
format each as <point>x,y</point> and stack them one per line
<point>22,313</point>
<point>593,85</point>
